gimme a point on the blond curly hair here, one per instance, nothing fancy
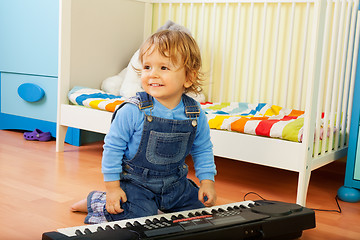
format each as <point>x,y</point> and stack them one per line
<point>177,46</point>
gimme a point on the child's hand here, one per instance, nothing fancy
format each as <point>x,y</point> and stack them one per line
<point>207,189</point>
<point>114,194</point>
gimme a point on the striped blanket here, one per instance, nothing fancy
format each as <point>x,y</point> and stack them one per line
<point>257,119</point>
<point>94,98</point>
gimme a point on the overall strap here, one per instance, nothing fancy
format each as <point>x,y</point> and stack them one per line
<point>142,100</point>
<point>145,100</point>
<point>192,109</point>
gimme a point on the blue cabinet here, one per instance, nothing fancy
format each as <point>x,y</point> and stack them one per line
<point>350,192</point>
<point>29,55</point>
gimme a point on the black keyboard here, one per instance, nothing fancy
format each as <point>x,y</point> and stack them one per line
<point>243,220</point>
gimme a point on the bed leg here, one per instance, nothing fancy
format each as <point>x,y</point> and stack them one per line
<point>303,185</point>
<point>60,137</point>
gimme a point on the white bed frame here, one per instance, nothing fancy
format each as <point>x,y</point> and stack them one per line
<point>315,55</point>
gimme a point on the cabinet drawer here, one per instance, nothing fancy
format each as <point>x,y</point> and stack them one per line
<point>13,103</point>
<point>29,36</point>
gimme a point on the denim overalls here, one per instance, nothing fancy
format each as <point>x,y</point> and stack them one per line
<point>156,177</point>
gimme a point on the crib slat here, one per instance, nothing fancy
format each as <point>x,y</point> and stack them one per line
<point>202,29</point>
<point>223,60</point>
<point>191,16</point>
<point>170,12</point>
<point>180,16</point>
<point>234,92</point>
<point>261,58</point>
<point>276,44</point>
<point>248,54</point>
<point>159,16</point>
<point>289,51</point>
<point>201,33</point>
<point>212,59</point>
<point>302,68</point>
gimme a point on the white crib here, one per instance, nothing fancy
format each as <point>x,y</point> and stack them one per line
<point>295,53</point>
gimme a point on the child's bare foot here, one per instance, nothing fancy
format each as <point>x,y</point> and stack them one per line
<point>80,206</point>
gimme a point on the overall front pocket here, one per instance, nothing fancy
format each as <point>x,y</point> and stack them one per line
<point>165,148</point>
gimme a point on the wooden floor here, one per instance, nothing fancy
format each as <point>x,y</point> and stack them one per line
<point>38,185</point>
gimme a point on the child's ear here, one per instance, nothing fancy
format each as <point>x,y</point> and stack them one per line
<point>189,80</point>
<point>188,83</point>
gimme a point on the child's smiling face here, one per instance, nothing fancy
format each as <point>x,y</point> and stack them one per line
<point>163,79</point>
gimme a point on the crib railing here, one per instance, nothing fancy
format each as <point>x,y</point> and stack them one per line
<point>292,53</point>
<point>253,51</point>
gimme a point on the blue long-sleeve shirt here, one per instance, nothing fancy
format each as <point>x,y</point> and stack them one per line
<point>125,135</point>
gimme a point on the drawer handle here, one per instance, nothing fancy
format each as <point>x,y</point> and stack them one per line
<point>31,92</point>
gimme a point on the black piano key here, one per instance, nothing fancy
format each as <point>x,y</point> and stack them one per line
<point>251,205</point>
<point>197,214</point>
<point>221,210</point>
<point>78,233</point>
<point>87,231</point>
<point>243,207</point>
<point>191,215</point>
<point>229,209</point>
<point>163,219</point>
<point>214,211</point>
<point>148,222</point>
<point>136,223</point>
<point>205,213</point>
<point>180,216</point>
<point>99,229</point>
<point>173,217</point>
<point>236,207</point>
<point>116,226</point>
<point>108,227</point>
<point>128,224</point>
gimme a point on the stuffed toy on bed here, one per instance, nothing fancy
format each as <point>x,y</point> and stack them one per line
<point>127,83</point>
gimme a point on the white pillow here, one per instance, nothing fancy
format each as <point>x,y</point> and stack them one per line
<point>112,84</point>
<point>132,81</point>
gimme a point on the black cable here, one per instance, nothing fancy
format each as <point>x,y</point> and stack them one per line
<point>255,194</point>
<point>315,209</point>
<point>326,210</point>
